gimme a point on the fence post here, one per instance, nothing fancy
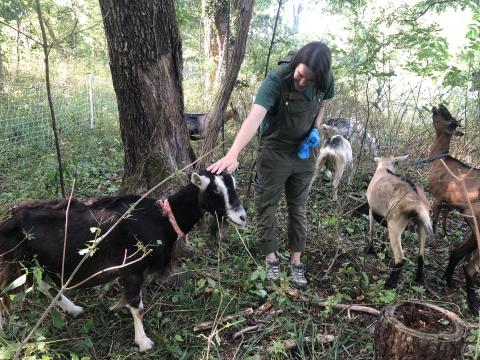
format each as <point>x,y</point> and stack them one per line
<point>90,98</point>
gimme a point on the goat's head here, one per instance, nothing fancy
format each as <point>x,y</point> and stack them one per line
<point>389,162</point>
<point>444,122</point>
<point>218,196</point>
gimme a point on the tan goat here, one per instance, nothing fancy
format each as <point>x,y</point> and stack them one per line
<point>396,200</point>
<point>446,191</point>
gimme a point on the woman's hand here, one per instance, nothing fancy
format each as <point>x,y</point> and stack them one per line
<point>249,127</point>
<point>227,163</point>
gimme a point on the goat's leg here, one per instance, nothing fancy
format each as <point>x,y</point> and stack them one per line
<point>395,230</point>
<point>350,175</point>
<point>318,166</point>
<point>371,223</point>
<point>422,236</point>
<point>133,295</point>
<point>445,213</point>
<point>63,303</point>
<point>458,254</point>
<point>340,168</point>
<point>470,270</point>
<point>435,215</point>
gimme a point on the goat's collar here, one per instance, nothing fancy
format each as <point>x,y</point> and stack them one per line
<point>433,157</point>
<point>167,211</point>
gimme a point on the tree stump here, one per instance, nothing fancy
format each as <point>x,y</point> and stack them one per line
<point>415,330</point>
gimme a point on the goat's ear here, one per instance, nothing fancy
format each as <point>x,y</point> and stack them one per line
<point>458,133</point>
<point>200,181</point>
<point>401,158</point>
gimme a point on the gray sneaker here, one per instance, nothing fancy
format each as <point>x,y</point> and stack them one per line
<point>298,276</point>
<point>273,269</point>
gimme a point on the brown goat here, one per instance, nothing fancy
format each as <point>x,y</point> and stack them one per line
<point>445,189</point>
<point>396,200</point>
<point>470,245</point>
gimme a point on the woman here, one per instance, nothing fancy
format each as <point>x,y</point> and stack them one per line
<point>290,107</point>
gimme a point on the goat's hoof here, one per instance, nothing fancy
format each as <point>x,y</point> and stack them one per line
<point>449,282</point>
<point>473,304</point>
<point>391,284</point>
<point>420,279</point>
<point>145,344</point>
<point>75,310</point>
<point>370,250</point>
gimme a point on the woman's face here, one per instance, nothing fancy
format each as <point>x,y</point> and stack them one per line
<point>303,77</point>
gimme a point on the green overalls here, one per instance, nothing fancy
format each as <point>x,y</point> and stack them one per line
<point>279,167</point>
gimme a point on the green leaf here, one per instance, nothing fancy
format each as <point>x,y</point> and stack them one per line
<point>365,278</point>
<point>444,322</point>
<point>254,275</point>
<point>37,273</point>
<point>57,320</point>
<point>178,338</point>
<point>6,354</point>
<point>419,289</point>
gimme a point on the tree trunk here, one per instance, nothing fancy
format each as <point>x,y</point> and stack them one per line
<point>215,24</point>
<point>146,63</point>
<point>245,8</point>
<point>412,330</point>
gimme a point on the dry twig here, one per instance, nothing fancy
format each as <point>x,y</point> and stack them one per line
<point>209,324</point>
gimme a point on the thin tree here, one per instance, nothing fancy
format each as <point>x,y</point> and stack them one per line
<point>245,10</point>
<point>46,52</point>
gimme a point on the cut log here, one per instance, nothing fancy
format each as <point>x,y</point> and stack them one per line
<point>413,330</point>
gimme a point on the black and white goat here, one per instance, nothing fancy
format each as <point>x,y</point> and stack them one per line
<point>395,200</point>
<point>335,154</point>
<point>36,231</point>
<point>355,132</point>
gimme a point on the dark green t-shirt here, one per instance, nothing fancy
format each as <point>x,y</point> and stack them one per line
<point>268,96</point>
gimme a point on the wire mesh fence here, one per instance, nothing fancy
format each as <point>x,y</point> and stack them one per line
<point>25,118</point>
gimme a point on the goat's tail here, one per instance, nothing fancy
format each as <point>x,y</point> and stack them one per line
<point>423,220</point>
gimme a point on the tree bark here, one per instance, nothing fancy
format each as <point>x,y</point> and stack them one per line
<point>394,340</point>
<point>146,63</point>
<point>245,9</point>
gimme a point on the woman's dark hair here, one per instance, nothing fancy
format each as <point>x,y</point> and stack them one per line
<point>318,57</point>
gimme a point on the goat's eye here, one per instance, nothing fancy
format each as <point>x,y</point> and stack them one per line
<point>216,191</point>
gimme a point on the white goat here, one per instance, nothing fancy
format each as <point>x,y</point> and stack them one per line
<point>397,200</point>
<point>335,154</point>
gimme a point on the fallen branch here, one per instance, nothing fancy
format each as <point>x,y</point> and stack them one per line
<point>245,330</point>
<point>209,324</point>
<point>358,308</point>
<point>343,307</point>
